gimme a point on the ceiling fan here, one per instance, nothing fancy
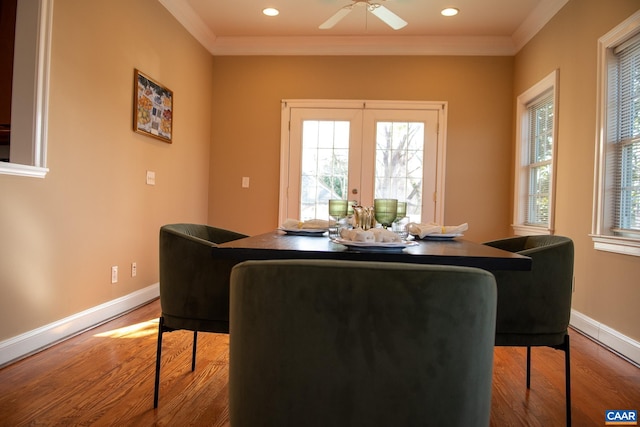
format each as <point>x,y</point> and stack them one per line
<point>384,14</point>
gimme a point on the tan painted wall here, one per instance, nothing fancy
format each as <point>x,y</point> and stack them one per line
<point>607,285</point>
<point>246,128</point>
<point>61,235</point>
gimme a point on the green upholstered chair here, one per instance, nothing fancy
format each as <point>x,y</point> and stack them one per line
<point>534,306</point>
<point>194,287</point>
<point>348,343</point>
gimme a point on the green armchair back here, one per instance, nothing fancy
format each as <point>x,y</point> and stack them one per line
<point>534,307</point>
<point>342,343</point>
<point>194,286</point>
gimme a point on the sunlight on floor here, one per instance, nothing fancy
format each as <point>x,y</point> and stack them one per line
<point>150,327</point>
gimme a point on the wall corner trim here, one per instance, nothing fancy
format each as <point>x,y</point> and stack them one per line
<point>23,345</point>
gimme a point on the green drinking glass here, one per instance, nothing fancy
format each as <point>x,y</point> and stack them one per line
<point>386,211</point>
<point>399,225</point>
<point>402,210</point>
<point>337,210</point>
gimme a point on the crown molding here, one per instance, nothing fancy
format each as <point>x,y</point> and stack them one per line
<point>190,20</point>
<point>540,16</point>
<point>364,45</point>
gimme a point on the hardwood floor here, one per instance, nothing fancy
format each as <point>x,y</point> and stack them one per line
<point>104,377</point>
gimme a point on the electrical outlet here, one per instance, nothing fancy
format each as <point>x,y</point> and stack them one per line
<point>134,269</point>
<point>151,178</point>
<point>114,274</point>
<point>245,182</point>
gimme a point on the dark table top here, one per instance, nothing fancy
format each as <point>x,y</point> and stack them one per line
<point>278,245</point>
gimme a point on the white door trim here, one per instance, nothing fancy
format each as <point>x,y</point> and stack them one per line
<point>285,140</point>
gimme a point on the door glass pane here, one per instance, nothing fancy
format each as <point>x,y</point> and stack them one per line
<point>335,151</point>
<point>325,160</point>
<point>399,164</point>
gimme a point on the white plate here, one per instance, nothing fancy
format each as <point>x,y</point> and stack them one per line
<point>375,245</point>
<point>439,236</point>
<point>304,231</point>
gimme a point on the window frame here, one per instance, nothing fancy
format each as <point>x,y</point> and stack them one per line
<point>602,234</point>
<point>522,164</point>
<point>30,91</point>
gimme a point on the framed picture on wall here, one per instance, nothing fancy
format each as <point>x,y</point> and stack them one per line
<point>152,108</point>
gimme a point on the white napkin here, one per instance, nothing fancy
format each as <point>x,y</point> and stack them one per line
<point>423,230</point>
<point>311,224</point>
<point>373,235</point>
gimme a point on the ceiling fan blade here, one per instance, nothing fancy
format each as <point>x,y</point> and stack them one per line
<point>388,17</point>
<point>329,23</point>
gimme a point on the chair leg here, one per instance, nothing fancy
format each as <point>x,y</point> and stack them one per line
<point>567,374</point>
<point>158,354</point>
<point>567,367</point>
<point>528,367</point>
<point>193,357</point>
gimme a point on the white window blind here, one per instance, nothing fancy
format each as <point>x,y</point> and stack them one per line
<point>540,132</point>
<point>626,95</point>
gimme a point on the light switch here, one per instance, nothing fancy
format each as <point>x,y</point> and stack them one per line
<point>151,178</point>
<point>245,182</point>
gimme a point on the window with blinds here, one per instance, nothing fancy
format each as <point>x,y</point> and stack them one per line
<point>536,144</point>
<point>616,205</point>
<point>624,91</point>
<point>540,142</point>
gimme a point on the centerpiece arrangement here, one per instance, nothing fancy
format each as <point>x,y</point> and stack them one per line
<point>363,231</point>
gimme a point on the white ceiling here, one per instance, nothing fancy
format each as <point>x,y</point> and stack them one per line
<point>483,27</point>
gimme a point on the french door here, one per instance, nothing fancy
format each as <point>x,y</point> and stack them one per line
<point>360,151</point>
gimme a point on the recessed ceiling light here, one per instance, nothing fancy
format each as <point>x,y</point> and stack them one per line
<point>270,11</point>
<point>450,11</point>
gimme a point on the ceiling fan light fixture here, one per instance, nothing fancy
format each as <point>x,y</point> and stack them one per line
<point>378,10</point>
<point>270,11</point>
<point>449,11</point>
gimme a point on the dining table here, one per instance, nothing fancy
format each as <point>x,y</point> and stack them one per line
<point>279,244</point>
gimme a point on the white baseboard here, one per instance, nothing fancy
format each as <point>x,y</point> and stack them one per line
<point>608,337</point>
<point>30,342</point>
<point>35,340</point>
